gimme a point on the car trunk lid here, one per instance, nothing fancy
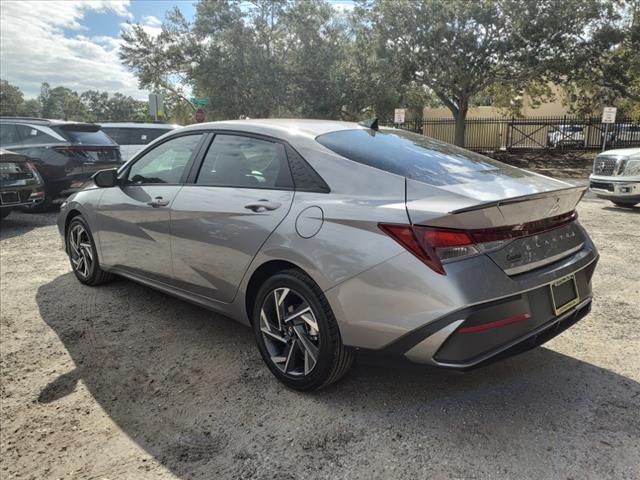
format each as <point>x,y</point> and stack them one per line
<point>520,225</point>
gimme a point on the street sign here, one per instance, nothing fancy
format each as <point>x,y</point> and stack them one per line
<point>200,115</point>
<point>200,101</point>
<point>156,105</point>
<point>398,115</point>
<point>609,115</point>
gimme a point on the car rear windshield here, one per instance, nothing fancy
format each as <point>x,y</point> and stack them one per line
<point>416,156</point>
<point>82,137</point>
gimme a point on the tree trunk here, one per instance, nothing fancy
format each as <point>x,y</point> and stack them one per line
<point>461,118</point>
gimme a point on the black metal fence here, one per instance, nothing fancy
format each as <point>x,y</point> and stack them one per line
<point>562,133</point>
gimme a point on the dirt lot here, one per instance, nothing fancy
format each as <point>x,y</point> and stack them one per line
<point>123,382</point>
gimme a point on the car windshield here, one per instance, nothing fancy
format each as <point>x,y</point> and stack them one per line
<point>572,128</point>
<point>416,156</point>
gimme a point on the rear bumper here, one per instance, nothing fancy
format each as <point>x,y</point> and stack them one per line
<point>452,342</point>
<point>21,196</point>
<point>403,309</point>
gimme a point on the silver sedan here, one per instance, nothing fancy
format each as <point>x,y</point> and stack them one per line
<point>332,237</point>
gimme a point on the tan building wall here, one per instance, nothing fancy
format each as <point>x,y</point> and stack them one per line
<point>549,108</point>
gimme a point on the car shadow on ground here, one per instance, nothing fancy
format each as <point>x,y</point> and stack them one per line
<point>18,223</point>
<point>190,388</point>
<point>635,209</point>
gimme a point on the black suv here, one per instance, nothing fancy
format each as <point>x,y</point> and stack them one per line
<point>66,154</point>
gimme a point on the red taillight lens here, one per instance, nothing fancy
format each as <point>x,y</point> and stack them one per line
<point>428,244</point>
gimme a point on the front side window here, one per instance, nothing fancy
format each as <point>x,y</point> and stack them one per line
<point>165,163</point>
<point>237,161</point>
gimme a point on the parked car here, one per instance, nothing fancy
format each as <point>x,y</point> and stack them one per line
<point>132,136</point>
<point>328,237</point>
<point>565,135</point>
<point>20,182</point>
<point>66,154</point>
<point>616,176</point>
<point>628,134</point>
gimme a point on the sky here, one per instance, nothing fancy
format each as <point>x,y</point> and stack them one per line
<point>74,43</point>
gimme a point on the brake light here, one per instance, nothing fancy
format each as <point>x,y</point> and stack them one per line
<point>433,245</point>
<point>34,171</point>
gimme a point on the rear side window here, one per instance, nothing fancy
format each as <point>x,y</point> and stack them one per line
<point>238,161</point>
<point>30,135</point>
<point>118,135</point>
<point>9,134</point>
<point>82,137</point>
<point>142,136</point>
<point>415,156</point>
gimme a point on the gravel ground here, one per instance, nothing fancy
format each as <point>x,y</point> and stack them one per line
<point>121,381</point>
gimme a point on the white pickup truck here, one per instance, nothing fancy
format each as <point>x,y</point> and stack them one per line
<point>616,176</point>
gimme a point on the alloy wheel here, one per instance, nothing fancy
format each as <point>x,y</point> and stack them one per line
<point>290,332</point>
<point>82,254</point>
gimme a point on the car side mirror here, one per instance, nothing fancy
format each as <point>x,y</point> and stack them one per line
<point>106,178</point>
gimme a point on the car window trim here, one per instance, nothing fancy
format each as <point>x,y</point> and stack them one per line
<point>124,173</point>
<point>193,175</point>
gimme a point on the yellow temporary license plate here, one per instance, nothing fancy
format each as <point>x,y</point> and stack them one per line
<point>564,294</point>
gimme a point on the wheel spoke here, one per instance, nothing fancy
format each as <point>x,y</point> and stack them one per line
<point>287,363</point>
<point>276,305</point>
<point>87,248</point>
<point>80,262</point>
<point>273,335</point>
<point>306,343</point>
<point>85,264</point>
<point>72,243</point>
<point>310,320</point>
<point>301,310</point>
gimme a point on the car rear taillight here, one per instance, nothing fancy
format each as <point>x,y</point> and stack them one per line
<point>433,245</point>
<point>34,171</point>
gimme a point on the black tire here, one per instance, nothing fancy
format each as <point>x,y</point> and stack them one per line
<point>333,358</point>
<point>94,274</point>
<point>4,212</point>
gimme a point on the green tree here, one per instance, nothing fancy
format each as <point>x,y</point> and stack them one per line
<point>259,58</point>
<point>62,103</point>
<point>459,48</point>
<point>607,71</point>
<point>11,99</point>
<point>96,104</point>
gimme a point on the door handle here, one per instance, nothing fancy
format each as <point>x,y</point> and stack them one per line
<point>262,205</point>
<point>158,202</point>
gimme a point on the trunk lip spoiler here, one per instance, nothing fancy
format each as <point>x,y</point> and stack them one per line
<point>524,198</point>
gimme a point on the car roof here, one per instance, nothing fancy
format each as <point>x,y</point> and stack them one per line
<point>163,126</point>
<point>280,127</point>
<point>623,152</point>
<point>48,122</point>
